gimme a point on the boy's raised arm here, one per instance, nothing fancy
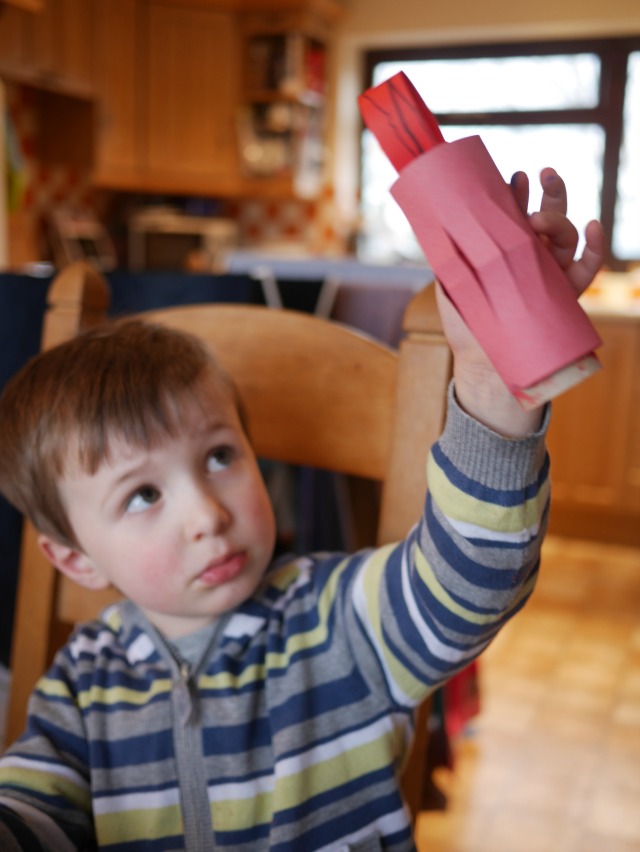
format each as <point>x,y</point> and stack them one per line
<point>479,388</point>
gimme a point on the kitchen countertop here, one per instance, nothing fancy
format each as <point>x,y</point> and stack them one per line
<point>613,294</point>
<point>297,267</point>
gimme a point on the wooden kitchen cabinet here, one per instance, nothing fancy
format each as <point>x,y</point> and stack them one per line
<point>13,34</point>
<point>594,443</point>
<point>59,46</point>
<point>49,45</point>
<point>167,76</point>
<point>632,478</point>
<point>119,95</point>
<point>192,89</point>
<point>166,79</point>
<point>170,86</point>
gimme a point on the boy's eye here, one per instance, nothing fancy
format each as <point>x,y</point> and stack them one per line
<point>142,499</point>
<point>219,459</point>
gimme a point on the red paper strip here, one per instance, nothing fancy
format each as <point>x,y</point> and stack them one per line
<point>400,120</point>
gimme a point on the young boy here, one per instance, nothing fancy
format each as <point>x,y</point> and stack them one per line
<point>229,702</point>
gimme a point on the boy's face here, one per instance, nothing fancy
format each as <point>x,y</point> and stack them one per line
<point>185,530</point>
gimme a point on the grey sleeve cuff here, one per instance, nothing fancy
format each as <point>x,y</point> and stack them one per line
<point>487,457</point>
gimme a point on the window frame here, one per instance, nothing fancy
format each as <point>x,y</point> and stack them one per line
<point>608,113</point>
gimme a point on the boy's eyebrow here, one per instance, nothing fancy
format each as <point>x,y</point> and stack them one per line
<point>209,427</point>
<point>135,471</point>
<point>137,467</point>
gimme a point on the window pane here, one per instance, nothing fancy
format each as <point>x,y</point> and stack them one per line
<point>385,235</point>
<point>503,83</point>
<point>576,152</point>
<point>626,229</point>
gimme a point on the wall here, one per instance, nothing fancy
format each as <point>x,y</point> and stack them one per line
<point>380,23</point>
<point>467,20</point>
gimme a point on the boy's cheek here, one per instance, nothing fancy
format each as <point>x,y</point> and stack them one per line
<point>261,518</point>
<point>141,569</point>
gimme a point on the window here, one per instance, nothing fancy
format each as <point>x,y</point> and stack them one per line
<point>626,231</point>
<point>571,105</point>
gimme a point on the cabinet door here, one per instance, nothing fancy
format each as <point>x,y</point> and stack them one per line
<point>632,479</point>
<point>118,57</point>
<point>60,46</point>
<point>74,49</point>
<point>591,427</point>
<point>13,33</point>
<point>192,93</point>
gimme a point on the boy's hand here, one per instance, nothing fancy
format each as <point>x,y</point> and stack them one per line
<point>479,389</point>
<point>552,225</point>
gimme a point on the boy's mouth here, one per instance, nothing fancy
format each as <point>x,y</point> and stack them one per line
<point>223,570</point>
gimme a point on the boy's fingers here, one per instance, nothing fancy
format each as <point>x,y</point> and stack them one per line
<point>583,271</point>
<point>554,192</point>
<point>520,189</point>
<point>559,234</point>
<point>561,237</point>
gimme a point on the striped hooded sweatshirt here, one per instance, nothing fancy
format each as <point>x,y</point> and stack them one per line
<point>288,727</point>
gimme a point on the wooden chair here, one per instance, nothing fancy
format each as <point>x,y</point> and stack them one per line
<point>317,393</point>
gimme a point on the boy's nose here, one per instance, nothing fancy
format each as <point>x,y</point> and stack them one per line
<point>205,515</point>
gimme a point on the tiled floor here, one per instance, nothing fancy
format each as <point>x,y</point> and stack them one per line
<point>552,764</point>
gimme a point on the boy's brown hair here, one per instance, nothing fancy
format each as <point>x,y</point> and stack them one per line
<point>128,379</point>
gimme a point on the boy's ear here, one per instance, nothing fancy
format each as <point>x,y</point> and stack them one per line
<point>72,562</point>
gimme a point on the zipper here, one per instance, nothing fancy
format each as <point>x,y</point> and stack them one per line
<point>190,764</point>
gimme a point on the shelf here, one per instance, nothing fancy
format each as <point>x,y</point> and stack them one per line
<point>285,64</point>
<point>269,96</point>
<point>281,122</point>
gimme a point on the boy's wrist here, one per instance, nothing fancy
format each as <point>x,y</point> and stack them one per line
<point>484,456</point>
<point>482,394</point>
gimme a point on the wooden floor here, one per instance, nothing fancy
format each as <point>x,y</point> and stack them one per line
<point>552,764</point>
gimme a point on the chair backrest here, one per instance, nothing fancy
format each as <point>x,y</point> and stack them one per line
<point>317,394</point>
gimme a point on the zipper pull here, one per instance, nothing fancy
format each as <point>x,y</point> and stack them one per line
<point>182,695</point>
